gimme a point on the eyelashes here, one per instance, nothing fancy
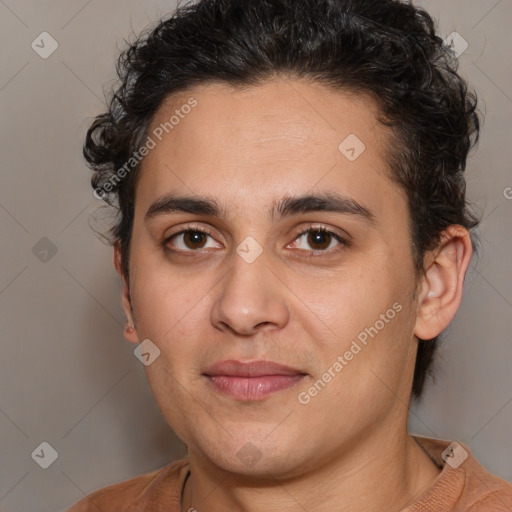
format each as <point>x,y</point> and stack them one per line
<point>324,234</point>
<point>187,238</point>
<point>194,239</point>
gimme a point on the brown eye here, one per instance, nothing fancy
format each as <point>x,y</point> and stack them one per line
<point>319,239</point>
<point>191,240</point>
<point>194,239</point>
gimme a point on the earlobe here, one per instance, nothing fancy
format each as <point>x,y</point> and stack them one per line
<point>130,332</point>
<point>442,285</point>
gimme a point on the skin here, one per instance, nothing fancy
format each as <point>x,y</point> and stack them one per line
<point>296,304</point>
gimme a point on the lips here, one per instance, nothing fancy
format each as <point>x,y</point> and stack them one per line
<point>253,380</point>
<point>250,369</point>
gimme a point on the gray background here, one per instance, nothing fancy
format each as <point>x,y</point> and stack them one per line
<point>67,375</point>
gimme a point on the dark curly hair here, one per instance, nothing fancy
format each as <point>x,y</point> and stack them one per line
<point>387,49</point>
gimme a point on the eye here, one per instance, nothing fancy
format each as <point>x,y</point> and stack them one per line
<point>318,239</point>
<point>189,240</point>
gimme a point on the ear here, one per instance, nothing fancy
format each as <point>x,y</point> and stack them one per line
<point>440,291</point>
<point>129,334</point>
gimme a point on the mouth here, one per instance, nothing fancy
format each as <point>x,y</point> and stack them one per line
<point>253,380</point>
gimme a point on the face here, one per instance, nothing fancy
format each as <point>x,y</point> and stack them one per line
<point>293,248</point>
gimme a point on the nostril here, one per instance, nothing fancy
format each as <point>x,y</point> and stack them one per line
<point>262,323</point>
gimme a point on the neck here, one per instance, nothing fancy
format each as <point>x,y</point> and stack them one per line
<point>389,469</point>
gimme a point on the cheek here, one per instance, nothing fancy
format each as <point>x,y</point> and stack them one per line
<point>165,298</point>
<point>367,318</point>
<point>169,394</point>
<point>339,305</point>
<point>359,381</point>
<point>172,322</point>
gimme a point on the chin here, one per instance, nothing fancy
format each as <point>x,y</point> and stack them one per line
<point>263,469</point>
<point>255,456</point>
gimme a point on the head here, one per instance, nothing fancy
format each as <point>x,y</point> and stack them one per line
<point>263,119</point>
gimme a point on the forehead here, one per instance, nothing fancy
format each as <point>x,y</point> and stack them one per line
<point>255,143</point>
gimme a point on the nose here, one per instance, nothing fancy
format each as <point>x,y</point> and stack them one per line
<point>250,299</point>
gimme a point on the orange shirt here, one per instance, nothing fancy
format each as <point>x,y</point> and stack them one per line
<point>462,486</point>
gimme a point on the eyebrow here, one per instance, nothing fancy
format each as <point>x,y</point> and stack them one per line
<point>285,207</point>
<point>186,204</point>
<point>325,202</point>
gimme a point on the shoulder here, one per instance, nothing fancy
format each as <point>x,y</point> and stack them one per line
<point>164,484</point>
<point>463,485</point>
<point>498,501</point>
<point>486,491</point>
